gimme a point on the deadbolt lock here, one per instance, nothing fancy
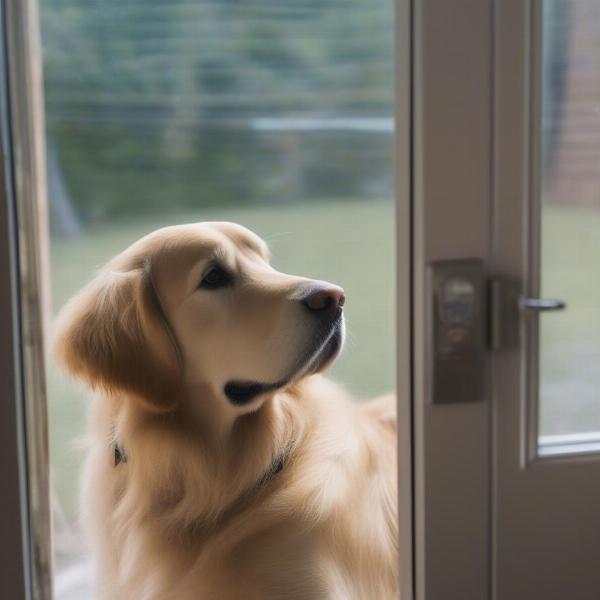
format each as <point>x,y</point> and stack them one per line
<point>469,315</point>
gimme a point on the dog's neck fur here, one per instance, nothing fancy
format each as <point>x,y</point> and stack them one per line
<point>120,457</point>
<point>224,468</point>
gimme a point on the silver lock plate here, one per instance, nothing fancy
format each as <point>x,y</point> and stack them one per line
<point>458,331</point>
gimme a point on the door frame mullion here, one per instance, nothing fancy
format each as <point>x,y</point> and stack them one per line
<point>25,231</point>
<point>452,219</point>
<point>404,283</point>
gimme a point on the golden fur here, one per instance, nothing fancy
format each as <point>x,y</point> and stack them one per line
<point>200,510</point>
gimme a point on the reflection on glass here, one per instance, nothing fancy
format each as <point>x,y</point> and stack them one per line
<point>570,340</point>
<point>276,115</point>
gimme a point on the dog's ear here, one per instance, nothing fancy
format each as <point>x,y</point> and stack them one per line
<point>114,335</point>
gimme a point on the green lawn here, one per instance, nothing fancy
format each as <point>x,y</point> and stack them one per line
<point>349,243</point>
<point>570,340</point>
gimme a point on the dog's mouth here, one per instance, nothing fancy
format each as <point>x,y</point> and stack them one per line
<point>323,353</point>
<point>243,392</point>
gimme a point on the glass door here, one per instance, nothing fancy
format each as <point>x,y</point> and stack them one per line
<point>276,116</point>
<point>294,120</point>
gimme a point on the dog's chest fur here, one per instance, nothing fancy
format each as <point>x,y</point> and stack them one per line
<point>323,527</point>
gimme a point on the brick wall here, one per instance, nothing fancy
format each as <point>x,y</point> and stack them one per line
<point>572,167</point>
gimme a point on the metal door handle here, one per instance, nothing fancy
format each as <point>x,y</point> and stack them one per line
<point>541,304</point>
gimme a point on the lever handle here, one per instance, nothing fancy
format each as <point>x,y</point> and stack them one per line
<point>541,304</point>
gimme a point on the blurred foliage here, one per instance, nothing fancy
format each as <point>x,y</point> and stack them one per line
<point>151,104</point>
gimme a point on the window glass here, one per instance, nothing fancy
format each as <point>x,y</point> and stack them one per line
<point>277,115</point>
<point>570,213</point>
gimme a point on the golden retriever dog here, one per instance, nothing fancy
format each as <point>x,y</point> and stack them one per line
<point>222,464</point>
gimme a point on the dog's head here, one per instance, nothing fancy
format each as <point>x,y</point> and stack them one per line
<point>196,312</point>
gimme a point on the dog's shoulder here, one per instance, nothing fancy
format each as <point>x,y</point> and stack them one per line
<point>383,410</point>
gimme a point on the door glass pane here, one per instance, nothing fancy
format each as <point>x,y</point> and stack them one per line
<point>275,115</point>
<point>570,195</point>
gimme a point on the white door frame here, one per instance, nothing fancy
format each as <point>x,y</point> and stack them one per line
<point>452,215</point>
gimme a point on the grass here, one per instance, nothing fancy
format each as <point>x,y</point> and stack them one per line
<point>570,340</point>
<point>350,243</point>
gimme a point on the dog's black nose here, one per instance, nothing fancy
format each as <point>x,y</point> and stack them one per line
<point>325,301</point>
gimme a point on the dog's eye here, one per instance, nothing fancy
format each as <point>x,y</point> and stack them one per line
<point>216,278</point>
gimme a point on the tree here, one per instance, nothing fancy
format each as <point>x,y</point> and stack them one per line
<point>148,100</point>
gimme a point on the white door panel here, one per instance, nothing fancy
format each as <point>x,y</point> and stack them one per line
<point>506,155</point>
<point>546,519</point>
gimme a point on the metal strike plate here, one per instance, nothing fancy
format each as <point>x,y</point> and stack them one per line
<point>458,331</point>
